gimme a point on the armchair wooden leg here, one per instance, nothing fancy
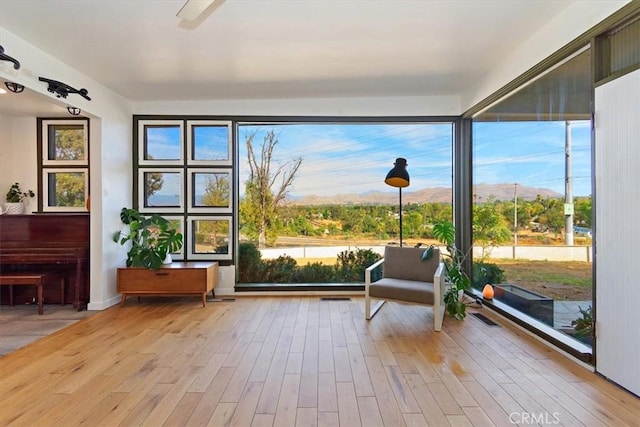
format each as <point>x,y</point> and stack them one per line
<point>370,312</point>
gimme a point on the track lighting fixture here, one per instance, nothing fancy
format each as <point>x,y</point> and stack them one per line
<point>5,57</point>
<point>61,90</point>
<point>74,111</point>
<point>14,87</point>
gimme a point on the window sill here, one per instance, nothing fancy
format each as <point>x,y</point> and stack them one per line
<point>570,345</point>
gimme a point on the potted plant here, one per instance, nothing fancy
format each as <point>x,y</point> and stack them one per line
<point>15,199</point>
<point>152,239</point>
<point>445,233</point>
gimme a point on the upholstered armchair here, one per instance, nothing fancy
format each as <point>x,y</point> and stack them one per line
<point>407,278</point>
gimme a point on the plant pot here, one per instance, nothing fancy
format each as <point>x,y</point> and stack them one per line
<point>167,259</point>
<point>14,208</point>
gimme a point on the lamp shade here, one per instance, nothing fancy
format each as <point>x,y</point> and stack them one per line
<point>398,176</point>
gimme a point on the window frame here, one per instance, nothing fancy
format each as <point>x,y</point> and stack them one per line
<point>190,148</point>
<point>45,166</point>
<point>45,189</point>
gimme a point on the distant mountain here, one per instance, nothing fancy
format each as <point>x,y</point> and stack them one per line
<point>482,193</point>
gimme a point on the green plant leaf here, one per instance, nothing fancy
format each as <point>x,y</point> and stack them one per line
<point>444,232</point>
<point>427,254</point>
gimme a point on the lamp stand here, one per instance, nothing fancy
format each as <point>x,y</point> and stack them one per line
<point>400,211</point>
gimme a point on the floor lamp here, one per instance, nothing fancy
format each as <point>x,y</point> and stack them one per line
<point>398,177</point>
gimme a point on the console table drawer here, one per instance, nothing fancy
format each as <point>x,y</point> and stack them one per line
<point>173,279</point>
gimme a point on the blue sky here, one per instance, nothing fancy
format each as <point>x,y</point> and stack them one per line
<point>340,159</point>
<point>356,158</point>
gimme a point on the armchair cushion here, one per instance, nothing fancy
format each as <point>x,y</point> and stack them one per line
<point>407,264</point>
<point>403,290</point>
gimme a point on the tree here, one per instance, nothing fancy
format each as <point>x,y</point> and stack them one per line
<point>69,143</point>
<point>266,187</point>
<point>489,226</point>
<point>216,192</point>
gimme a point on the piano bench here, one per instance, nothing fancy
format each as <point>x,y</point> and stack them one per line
<point>31,279</point>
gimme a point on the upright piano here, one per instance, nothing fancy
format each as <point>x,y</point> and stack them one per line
<point>37,242</point>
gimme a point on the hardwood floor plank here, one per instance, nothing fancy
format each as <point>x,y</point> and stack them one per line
<point>387,403</point>
<point>243,415</point>
<point>211,397</point>
<point>459,421</point>
<point>307,417</point>
<point>172,398</point>
<point>426,400</point>
<point>325,356</point>
<point>222,415</point>
<point>262,420</point>
<point>141,411</point>
<point>415,420</point>
<point>401,390</point>
<point>308,393</point>
<point>369,411</point>
<point>360,373</point>
<point>183,410</point>
<point>286,410</point>
<point>347,405</point>
<point>241,375</point>
<point>328,419</point>
<point>327,394</point>
<point>166,361</point>
<point>342,364</point>
<point>489,405</point>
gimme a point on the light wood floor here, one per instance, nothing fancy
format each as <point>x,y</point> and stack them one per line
<point>297,361</point>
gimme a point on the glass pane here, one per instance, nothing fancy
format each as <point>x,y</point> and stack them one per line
<point>162,142</point>
<point>210,236</point>
<point>210,143</point>
<point>211,189</point>
<point>66,189</point>
<point>532,197</point>
<point>66,142</point>
<point>176,224</point>
<point>306,190</point>
<point>162,189</point>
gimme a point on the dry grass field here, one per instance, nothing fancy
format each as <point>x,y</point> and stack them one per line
<point>560,280</point>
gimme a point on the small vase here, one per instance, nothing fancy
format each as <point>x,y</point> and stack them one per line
<point>14,208</point>
<point>167,259</point>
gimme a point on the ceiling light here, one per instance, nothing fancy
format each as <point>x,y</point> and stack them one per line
<point>14,87</point>
<point>192,9</point>
<point>2,91</point>
<point>74,111</point>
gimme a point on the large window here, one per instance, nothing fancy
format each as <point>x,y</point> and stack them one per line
<point>532,196</point>
<point>63,164</point>
<point>313,199</point>
<point>184,172</point>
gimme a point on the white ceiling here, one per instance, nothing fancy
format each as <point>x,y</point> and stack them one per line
<point>246,49</point>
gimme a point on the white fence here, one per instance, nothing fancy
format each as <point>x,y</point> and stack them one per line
<point>533,253</point>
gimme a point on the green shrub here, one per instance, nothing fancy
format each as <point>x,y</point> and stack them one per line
<point>315,273</point>
<point>351,265</point>
<point>279,270</point>
<point>484,273</point>
<point>250,267</point>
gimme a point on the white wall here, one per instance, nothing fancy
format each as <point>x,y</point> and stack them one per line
<point>576,19</point>
<point>17,149</point>
<point>110,154</point>
<point>341,107</point>
<point>617,228</point>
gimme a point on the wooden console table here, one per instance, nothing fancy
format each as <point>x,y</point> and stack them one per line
<point>176,278</point>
